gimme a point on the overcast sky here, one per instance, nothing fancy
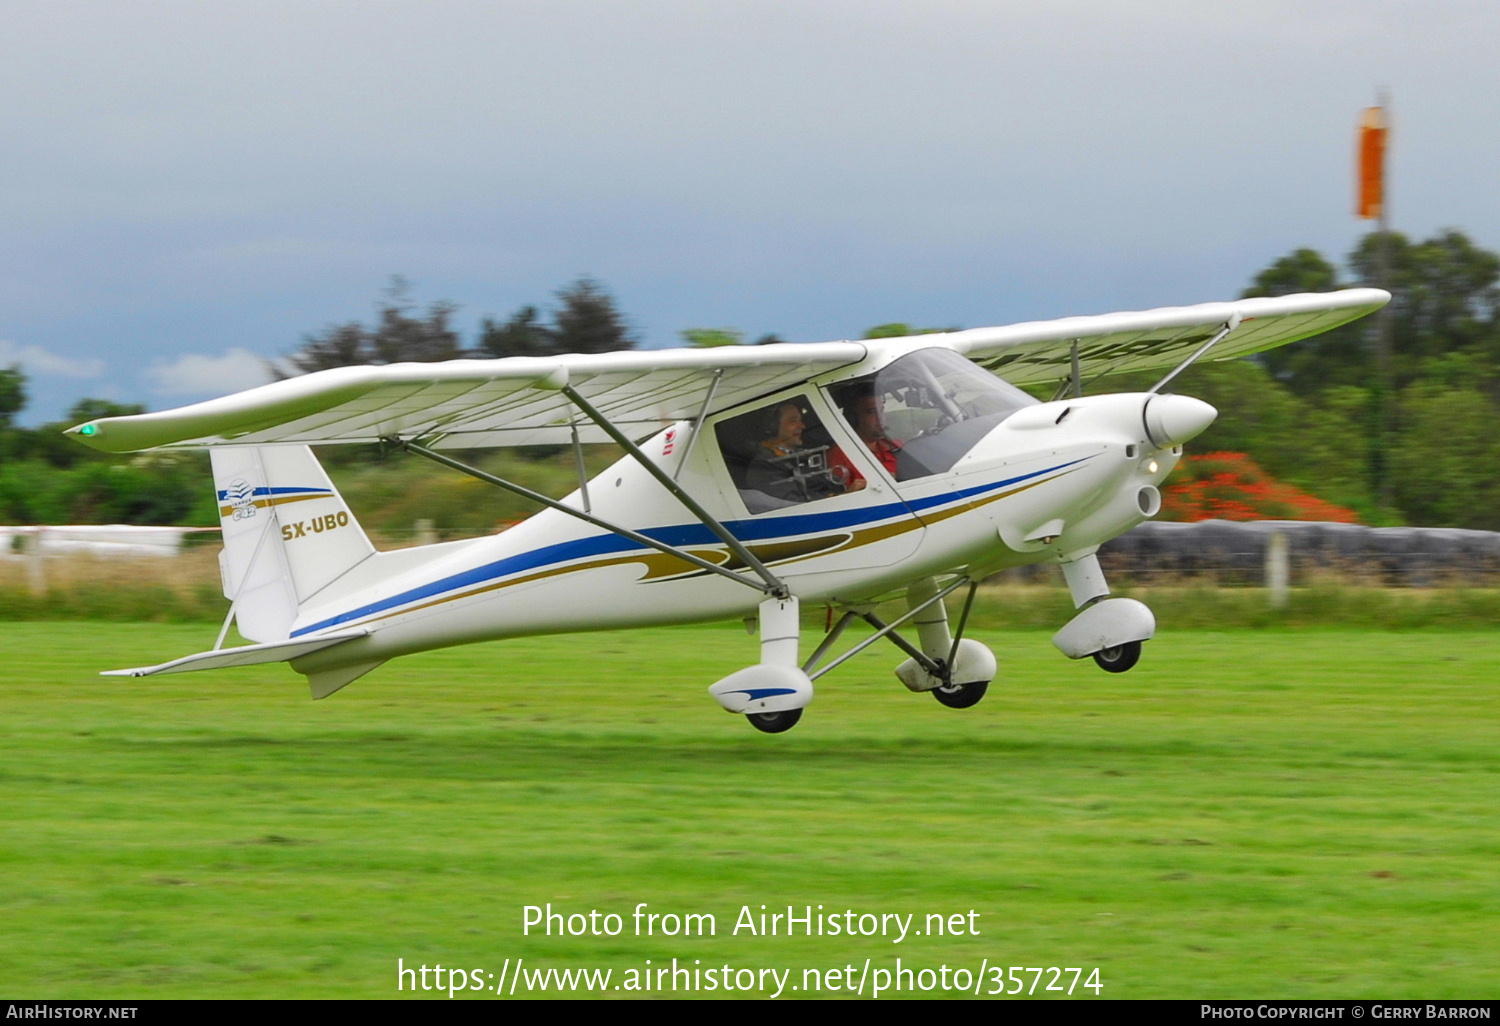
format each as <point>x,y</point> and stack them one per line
<point>191,187</point>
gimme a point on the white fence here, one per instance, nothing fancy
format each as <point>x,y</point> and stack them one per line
<point>99,540</point>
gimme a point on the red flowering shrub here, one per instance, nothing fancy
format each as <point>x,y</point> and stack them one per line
<point>1229,486</point>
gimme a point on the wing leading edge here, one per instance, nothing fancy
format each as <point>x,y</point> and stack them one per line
<point>517,401</point>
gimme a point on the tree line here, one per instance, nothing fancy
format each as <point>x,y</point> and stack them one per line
<point>586,319</point>
<point>1322,414</point>
<point>1412,442</point>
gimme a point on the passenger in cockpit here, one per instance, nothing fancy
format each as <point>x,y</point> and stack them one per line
<point>866,416</point>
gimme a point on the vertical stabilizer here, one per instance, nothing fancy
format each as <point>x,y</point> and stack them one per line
<point>287,534</point>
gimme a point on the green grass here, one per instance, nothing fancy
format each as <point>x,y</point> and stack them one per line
<point>1265,813</point>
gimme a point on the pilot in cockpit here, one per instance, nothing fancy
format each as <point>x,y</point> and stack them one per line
<point>784,467</point>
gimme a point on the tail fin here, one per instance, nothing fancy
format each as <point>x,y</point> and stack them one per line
<point>287,534</point>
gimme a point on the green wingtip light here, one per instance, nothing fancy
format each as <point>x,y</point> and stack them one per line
<point>88,429</point>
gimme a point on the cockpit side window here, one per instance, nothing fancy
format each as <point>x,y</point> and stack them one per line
<point>781,455</point>
<point>921,414</point>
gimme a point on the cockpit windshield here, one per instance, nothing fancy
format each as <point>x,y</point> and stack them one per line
<point>922,413</point>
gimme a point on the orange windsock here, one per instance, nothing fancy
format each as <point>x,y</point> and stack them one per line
<point>1370,200</point>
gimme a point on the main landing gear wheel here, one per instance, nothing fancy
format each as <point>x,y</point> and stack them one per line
<point>961,696</point>
<point>774,722</point>
<point>1119,658</point>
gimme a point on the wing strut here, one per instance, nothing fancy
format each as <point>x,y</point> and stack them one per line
<point>773,586</point>
<point>713,386</point>
<point>587,518</point>
<point>1229,325</point>
<point>583,477</point>
<point>1074,381</point>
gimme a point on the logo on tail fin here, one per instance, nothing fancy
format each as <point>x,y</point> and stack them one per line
<point>241,496</point>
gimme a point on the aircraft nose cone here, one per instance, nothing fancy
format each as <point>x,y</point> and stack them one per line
<point>1174,419</point>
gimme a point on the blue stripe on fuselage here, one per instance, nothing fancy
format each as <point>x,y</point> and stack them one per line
<point>679,535</point>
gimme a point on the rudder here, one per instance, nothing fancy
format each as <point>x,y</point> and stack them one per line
<point>287,534</point>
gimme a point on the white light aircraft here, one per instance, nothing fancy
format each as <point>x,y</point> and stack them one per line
<point>755,480</point>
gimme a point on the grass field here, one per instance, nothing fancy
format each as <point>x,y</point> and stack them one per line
<point>1252,813</point>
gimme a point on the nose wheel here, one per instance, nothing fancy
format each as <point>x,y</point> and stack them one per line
<point>774,722</point>
<point>1119,658</point>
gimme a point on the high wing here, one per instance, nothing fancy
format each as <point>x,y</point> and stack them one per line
<point>1042,351</point>
<point>471,404</point>
<point>465,404</point>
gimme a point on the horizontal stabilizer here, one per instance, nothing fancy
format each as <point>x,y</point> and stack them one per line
<point>245,655</point>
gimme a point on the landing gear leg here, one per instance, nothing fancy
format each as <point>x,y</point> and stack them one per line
<point>1085,577</point>
<point>772,693</point>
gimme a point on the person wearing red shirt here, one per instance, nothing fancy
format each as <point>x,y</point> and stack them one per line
<point>865,416</point>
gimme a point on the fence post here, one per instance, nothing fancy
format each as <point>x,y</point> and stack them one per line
<point>424,532</point>
<point>36,569</point>
<point>1278,569</point>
